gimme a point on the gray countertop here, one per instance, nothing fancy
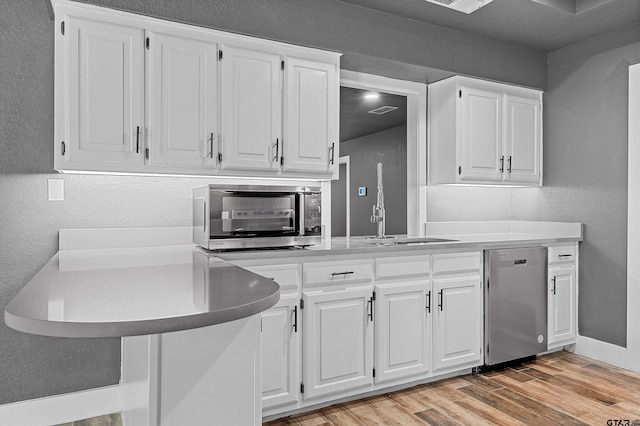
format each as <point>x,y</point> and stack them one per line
<point>113,292</point>
<point>342,246</point>
<point>135,291</point>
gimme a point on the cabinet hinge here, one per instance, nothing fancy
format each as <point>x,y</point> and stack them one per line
<point>219,157</point>
<point>301,303</point>
<point>374,372</point>
<point>301,387</point>
<point>282,160</point>
<point>282,65</point>
<point>147,43</point>
<point>459,170</point>
<point>146,153</point>
<point>62,27</point>
<point>460,93</point>
<point>220,54</point>
<point>374,295</point>
<point>63,148</point>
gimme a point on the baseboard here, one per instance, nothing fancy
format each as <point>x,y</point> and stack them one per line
<point>64,408</point>
<point>606,352</point>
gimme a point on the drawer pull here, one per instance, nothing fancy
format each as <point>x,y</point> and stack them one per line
<point>334,274</point>
<point>564,255</point>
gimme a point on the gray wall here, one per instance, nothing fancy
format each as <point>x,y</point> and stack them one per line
<point>585,170</point>
<point>388,147</point>
<point>32,366</point>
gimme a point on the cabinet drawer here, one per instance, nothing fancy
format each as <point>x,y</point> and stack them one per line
<point>456,262</point>
<point>562,254</point>
<point>389,267</point>
<point>338,272</point>
<point>287,276</point>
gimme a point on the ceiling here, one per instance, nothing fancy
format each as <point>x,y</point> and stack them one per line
<point>537,24</point>
<point>355,119</point>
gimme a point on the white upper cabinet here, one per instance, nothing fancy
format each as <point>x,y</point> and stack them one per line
<point>143,95</point>
<point>523,140</point>
<point>311,93</point>
<point>251,89</point>
<point>481,129</point>
<point>99,93</point>
<point>481,132</point>
<point>182,79</point>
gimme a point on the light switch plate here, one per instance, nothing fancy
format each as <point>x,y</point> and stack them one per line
<point>56,189</point>
<point>362,191</point>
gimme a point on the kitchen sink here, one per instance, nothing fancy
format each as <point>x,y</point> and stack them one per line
<point>392,241</point>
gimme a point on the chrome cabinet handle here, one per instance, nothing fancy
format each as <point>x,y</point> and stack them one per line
<point>509,168</point>
<point>553,290</point>
<point>370,309</point>
<point>502,164</point>
<point>429,302</point>
<point>277,146</point>
<point>333,274</point>
<point>137,139</point>
<point>332,150</point>
<point>440,301</point>
<point>295,319</point>
<point>211,146</point>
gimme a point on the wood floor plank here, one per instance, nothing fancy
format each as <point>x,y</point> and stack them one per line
<point>436,418</point>
<point>483,382</point>
<point>413,403</point>
<point>314,418</point>
<point>561,399</point>
<point>508,407</point>
<point>583,388</point>
<point>339,415</point>
<point>627,382</point>
<point>489,415</point>
<point>516,375</point>
<point>538,408</point>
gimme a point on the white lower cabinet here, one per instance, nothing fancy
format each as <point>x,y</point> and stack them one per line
<point>281,353</point>
<point>338,340</point>
<point>281,336</point>
<point>402,329</point>
<point>370,323</point>
<point>561,296</point>
<point>458,313</point>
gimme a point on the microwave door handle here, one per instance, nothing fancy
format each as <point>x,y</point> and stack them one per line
<point>302,214</point>
<point>204,217</point>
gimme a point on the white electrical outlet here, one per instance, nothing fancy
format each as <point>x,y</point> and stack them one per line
<point>56,189</point>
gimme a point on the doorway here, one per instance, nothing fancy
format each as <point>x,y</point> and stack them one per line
<point>416,144</point>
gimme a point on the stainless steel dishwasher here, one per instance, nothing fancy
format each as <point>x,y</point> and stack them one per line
<point>515,322</point>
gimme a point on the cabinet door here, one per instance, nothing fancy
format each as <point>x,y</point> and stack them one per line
<point>457,322</point>
<point>280,353</point>
<point>311,116</point>
<point>182,101</point>
<point>480,130</point>
<point>402,329</point>
<point>105,93</point>
<point>251,109</point>
<point>524,140</point>
<point>562,304</point>
<point>338,340</point>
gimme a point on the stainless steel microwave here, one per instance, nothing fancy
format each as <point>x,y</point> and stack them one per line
<point>242,217</point>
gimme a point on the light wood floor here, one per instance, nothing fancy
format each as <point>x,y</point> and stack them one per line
<point>557,389</point>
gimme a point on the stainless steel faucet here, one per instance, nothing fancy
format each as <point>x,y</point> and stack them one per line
<point>378,209</point>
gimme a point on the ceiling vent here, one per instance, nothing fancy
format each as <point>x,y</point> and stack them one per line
<point>383,110</point>
<point>466,6</point>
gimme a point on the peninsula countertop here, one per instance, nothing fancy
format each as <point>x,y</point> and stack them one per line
<point>135,291</point>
